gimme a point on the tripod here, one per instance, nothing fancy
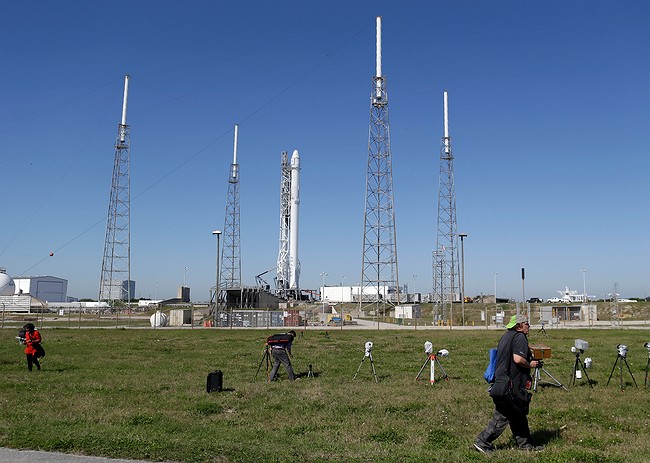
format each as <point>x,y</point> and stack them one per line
<point>538,375</point>
<point>266,357</point>
<point>542,330</point>
<point>620,367</point>
<point>432,359</point>
<point>577,367</point>
<point>372,364</point>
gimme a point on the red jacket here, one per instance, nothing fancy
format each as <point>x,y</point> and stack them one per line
<point>31,338</point>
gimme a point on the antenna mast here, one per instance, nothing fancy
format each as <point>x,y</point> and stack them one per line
<point>115,281</point>
<point>446,278</point>
<point>231,250</point>
<point>379,275</point>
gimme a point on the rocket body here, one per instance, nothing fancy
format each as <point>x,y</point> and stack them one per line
<point>294,264</point>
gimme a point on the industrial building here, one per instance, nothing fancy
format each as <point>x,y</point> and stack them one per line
<point>45,288</point>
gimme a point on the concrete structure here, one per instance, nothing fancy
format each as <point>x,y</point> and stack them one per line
<point>45,288</point>
<point>180,317</point>
<point>128,290</point>
<point>184,294</point>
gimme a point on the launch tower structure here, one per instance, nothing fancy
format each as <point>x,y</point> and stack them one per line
<point>446,275</point>
<point>116,262</point>
<point>231,249</point>
<point>379,274</point>
<point>282,279</point>
<point>288,266</point>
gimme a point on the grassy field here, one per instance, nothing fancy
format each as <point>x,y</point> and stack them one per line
<point>140,393</point>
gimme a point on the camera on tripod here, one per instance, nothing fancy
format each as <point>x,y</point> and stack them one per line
<point>367,355</point>
<point>368,348</point>
<point>428,348</point>
<point>620,360</point>
<point>579,345</point>
<point>647,345</point>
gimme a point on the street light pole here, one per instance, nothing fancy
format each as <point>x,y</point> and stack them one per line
<point>342,314</point>
<point>322,295</point>
<point>584,294</point>
<point>217,233</point>
<point>495,295</point>
<point>462,278</point>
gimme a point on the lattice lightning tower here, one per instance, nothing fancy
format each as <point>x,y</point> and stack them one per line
<point>231,250</point>
<point>379,277</point>
<point>116,263</point>
<point>282,280</point>
<point>446,278</point>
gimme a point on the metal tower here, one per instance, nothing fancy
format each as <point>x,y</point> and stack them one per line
<point>116,263</point>
<point>446,279</point>
<point>282,280</point>
<point>231,251</point>
<point>379,275</point>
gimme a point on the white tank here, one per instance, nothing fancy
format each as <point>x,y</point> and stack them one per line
<point>159,319</point>
<point>7,286</point>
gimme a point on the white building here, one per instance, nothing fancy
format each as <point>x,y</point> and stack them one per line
<point>336,294</point>
<point>45,288</point>
<point>408,311</point>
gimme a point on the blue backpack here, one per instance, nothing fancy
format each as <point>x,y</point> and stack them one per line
<point>491,368</point>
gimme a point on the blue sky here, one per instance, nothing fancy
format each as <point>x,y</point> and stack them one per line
<point>548,117</point>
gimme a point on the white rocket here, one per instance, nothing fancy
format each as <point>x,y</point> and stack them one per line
<point>294,263</point>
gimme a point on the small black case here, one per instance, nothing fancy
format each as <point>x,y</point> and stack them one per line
<point>215,381</point>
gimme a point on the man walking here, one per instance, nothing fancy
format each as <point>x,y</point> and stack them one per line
<point>281,351</point>
<point>509,391</point>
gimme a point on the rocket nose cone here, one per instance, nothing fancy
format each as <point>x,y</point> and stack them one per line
<point>295,158</point>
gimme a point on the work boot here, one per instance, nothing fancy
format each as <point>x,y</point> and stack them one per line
<point>483,447</point>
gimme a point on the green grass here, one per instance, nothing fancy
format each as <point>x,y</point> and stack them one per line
<point>140,393</point>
